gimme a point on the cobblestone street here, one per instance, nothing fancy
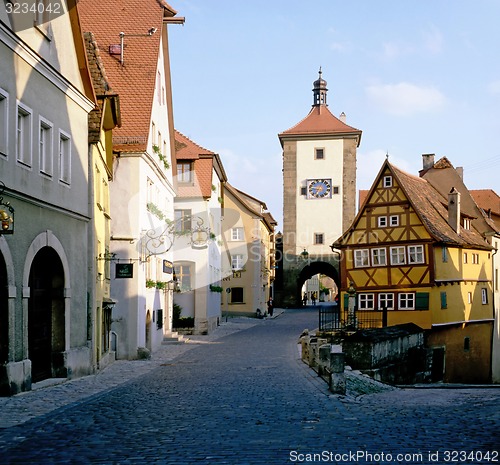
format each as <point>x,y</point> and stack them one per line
<point>242,396</point>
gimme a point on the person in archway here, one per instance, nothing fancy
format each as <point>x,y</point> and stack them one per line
<point>270,306</point>
<point>304,299</point>
<point>313,298</point>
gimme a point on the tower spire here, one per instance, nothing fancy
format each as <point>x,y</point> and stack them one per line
<point>319,91</point>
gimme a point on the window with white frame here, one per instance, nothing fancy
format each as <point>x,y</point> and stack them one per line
<point>444,254</point>
<point>484,296</point>
<point>182,220</point>
<point>398,255</point>
<point>465,257</point>
<point>469,297</point>
<point>379,257</point>
<point>183,274</point>
<point>64,158</point>
<point>237,234</point>
<point>45,147</point>
<point>382,221</point>
<point>387,181</point>
<point>466,224</point>
<point>416,254</point>
<point>4,120</point>
<point>23,139</point>
<point>237,262</point>
<point>406,301</point>
<point>475,258</point>
<point>394,220</point>
<point>366,301</point>
<point>386,300</point>
<point>361,258</point>
<point>184,172</point>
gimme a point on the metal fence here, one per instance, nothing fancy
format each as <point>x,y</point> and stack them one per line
<point>333,318</point>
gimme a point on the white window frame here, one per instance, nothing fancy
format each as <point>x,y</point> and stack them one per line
<point>386,298</point>
<point>64,161</point>
<point>24,135</point>
<point>406,301</point>
<point>45,146</point>
<point>237,262</point>
<point>4,122</point>
<point>366,301</point>
<point>387,182</point>
<point>416,254</point>
<point>484,296</point>
<point>475,259</point>
<point>398,253</point>
<point>382,221</point>
<point>465,257</point>
<point>469,297</point>
<point>237,234</point>
<point>379,257</point>
<point>394,220</point>
<point>361,258</point>
<point>185,176</point>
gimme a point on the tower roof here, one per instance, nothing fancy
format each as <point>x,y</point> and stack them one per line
<point>320,121</point>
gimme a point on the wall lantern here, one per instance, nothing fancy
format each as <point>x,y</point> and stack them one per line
<point>304,254</point>
<point>6,214</point>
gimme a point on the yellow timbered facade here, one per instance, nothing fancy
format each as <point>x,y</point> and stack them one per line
<point>413,257</point>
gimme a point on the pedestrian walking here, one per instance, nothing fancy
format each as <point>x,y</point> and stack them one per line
<point>304,299</point>
<point>270,306</point>
<point>313,298</point>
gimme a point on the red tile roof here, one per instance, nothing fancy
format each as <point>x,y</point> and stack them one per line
<point>135,80</point>
<point>320,121</point>
<point>203,166</point>
<point>487,199</point>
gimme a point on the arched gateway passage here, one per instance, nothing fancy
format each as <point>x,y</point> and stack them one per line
<point>313,269</point>
<point>46,315</point>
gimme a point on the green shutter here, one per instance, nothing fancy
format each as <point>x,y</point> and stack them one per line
<point>443,300</point>
<point>422,301</point>
<point>346,301</point>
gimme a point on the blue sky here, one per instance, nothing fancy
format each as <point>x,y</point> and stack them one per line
<point>415,77</point>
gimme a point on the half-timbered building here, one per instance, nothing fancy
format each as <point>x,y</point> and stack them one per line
<point>411,255</point>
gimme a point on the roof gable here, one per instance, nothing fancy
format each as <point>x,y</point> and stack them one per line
<point>427,203</point>
<point>320,121</point>
<point>135,79</point>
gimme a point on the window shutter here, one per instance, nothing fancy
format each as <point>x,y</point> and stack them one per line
<point>422,301</point>
<point>346,301</point>
<point>443,300</point>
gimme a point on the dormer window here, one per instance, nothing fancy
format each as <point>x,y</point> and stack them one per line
<point>387,181</point>
<point>184,172</point>
<point>466,223</point>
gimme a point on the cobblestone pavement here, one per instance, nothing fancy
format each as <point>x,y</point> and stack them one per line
<point>242,396</point>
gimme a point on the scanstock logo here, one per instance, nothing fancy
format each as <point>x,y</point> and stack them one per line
<point>25,14</point>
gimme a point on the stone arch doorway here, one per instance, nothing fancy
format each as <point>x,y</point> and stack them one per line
<point>46,316</point>
<point>4,312</point>
<point>313,269</point>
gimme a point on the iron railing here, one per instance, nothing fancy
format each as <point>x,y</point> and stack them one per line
<point>334,318</point>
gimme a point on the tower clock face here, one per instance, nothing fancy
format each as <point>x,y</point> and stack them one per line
<point>319,188</point>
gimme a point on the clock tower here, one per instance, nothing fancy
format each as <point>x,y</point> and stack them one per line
<point>319,194</point>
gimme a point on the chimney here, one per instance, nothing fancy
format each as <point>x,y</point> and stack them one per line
<point>454,210</point>
<point>342,117</point>
<point>460,172</point>
<point>427,160</point>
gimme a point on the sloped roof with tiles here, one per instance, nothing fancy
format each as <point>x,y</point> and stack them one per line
<point>102,88</point>
<point>320,121</point>
<point>135,79</point>
<point>487,199</point>
<point>204,162</point>
<point>429,205</point>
